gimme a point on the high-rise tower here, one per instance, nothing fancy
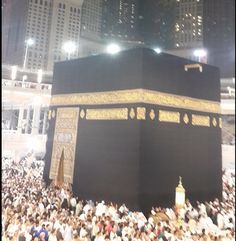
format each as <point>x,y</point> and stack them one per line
<point>120,20</point>
<point>49,23</point>
<point>91,33</point>
<point>219,34</point>
<point>91,19</point>
<point>156,22</point>
<point>65,26</point>
<point>188,24</point>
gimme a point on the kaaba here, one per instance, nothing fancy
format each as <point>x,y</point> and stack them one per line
<point>130,124</point>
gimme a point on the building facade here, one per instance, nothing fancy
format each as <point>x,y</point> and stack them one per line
<point>120,20</point>
<point>188,24</point>
<point>65,26</point>
<point>29,19</point>
<point>91,21</point>
<point>219,35</point>
<point>6,5</point>
<point>91,42</point>
<point>49,23</point>
<point>156,22</point>
<point>25,112</point>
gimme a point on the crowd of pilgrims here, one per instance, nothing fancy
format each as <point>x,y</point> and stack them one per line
<point>33,211</point>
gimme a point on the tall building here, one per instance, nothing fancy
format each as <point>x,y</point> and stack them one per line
<point>156,22</point>
<point>188,24</point>
<point>6,4</point>
<point>120,20</point>
<point>219,34</point>
<point>65,26</point>
<point>29,19</point>
<point>91,23</point>
<point>49,23</point>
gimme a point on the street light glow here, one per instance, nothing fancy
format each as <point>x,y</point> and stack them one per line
<point>157,50</point>
<point>69,47</point>
<point>113,49</point>
<point>200,53</point>
<point>13,72</point>
<point>30,42</point>
<point>40,75</point>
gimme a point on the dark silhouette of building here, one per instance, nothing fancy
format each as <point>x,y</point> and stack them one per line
<point>120,20</point>
<point>157,19</point>
<point>219,34</point>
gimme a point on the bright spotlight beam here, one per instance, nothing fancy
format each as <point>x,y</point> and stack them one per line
<point>200,53</point>
<point>157,50</point>
<point>69,47</point>
<point>30,42</point>
<point>113,49</point>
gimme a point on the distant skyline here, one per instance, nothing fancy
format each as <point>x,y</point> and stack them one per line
<point>168,24</point>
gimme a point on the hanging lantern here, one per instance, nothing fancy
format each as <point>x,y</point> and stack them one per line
<point>180,195</point>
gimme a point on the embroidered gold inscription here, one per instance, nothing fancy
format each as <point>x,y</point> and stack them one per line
<point>169,116</point>
<point>65,137</point>
<point>107,114</point>
<point>141,113</point>
<point>136,96</point>
<point>200,120</point>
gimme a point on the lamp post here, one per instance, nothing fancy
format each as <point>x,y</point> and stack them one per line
<point>37,103</point>
<point>13,72</point>
<point>24,78</point>
<point>29,42</point>
<point>40,76</point>
<point>200,53</point>
<point>69,47</point>
<point>179,195</point>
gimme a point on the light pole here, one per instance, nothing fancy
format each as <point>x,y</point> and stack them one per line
<point>69,47</point>
<point>40,76</point>
<point>200,53</point>
<point>23,80</point>
<point>29,42</point>
<point>13,72</point>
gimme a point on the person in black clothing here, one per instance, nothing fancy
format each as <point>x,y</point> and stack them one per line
<point>64,204</point>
